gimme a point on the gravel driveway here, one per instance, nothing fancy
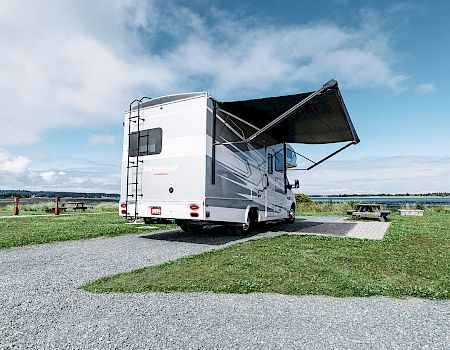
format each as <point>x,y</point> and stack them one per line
<point>41,307</point>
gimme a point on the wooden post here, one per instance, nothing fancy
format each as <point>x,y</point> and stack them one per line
<point>57,206</point>
<point>16,206</point>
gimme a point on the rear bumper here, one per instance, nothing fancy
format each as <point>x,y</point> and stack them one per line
<point>160,210</point>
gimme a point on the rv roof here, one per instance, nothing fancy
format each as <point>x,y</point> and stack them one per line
<point>167,99</point>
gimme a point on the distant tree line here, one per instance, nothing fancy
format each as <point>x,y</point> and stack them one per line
<point>431,194</point>
<point>53,194</point>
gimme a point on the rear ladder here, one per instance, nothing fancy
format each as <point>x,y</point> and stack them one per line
<point>133,193</point>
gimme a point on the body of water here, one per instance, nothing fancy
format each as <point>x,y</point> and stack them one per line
<point>391,202</point>
<point>6,201</point>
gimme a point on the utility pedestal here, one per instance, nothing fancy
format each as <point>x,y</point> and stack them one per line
<point>16,206</point>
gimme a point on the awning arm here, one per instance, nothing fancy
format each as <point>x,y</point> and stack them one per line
<point>236,117</point>
<point>329,85</point>
<point>323,159</point>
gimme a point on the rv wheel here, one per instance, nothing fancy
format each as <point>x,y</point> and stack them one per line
<point>185,227</point>
<point>241,229</point>
<point>291,215</point>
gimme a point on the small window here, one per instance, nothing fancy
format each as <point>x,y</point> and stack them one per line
<point>279,162</point>
<point>145,142</point>
<point>270,163</point>
<point>289,153</point>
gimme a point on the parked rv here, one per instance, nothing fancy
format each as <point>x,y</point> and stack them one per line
<point>196,161</point>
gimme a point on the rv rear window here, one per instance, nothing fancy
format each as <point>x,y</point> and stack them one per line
<point>145,142</point>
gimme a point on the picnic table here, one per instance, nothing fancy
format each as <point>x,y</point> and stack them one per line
<point>77,205</point>
<point>369,210</point>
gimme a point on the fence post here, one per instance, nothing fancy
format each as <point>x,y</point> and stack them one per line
<point>16,205</point>
<point>57,206</point>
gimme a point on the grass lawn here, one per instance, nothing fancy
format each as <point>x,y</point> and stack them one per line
<point>44,229</point>
<point>413,260</point>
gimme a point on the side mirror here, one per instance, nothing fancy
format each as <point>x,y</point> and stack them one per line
<point>289,187</point>
<point>296,184</point>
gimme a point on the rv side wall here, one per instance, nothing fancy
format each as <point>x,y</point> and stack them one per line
<point>241,179</point>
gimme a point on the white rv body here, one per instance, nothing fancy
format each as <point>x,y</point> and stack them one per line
<point>177,179</point>
<point>193,160</point>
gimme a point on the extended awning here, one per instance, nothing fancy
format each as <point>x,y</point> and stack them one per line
<point>317,117</point>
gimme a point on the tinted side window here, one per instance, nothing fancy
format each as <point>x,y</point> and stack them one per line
<point>270,163</point>
<point>146,142</point>
<point>279,161</point>
<point>288,153</point>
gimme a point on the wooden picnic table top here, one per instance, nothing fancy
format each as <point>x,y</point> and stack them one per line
<point>368,207</point>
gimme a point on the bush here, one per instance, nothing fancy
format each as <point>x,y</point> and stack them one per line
<point>324,207</point>
<point>106,206</point>
<point>420,206</point>
<point>302,198</point>
<point>41,206</point>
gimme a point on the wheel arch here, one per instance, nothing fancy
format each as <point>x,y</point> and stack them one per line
<point>250,210</point>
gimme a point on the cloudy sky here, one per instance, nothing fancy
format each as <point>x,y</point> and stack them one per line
<point>69,69</point>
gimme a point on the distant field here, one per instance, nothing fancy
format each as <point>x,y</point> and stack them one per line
<point>40,208</point>
<point>412,261</point>
<point>21,231</point>
<point>340,208</point>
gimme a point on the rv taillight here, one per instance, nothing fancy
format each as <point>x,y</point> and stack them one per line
<point>124,212</point>
<point>123,205</point>
<point>194,215</point>
<point>194,207</point>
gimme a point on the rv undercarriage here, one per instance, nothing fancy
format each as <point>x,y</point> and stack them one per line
<point>191,226</point>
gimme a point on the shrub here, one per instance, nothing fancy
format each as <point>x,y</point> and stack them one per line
<point>106,206</point>
<point>302,198</point>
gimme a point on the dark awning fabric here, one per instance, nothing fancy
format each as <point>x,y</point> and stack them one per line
<point>322,120</point>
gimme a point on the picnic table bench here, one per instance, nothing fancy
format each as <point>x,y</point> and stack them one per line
<point>369,210</point>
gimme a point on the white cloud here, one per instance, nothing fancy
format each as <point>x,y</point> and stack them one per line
<point>398,174</point>
<point>16,173</point>
<point>72,64</point>
<point>102,139</point>
<point>49,176</point>
<point>426,88</point>
<point>13,165</point>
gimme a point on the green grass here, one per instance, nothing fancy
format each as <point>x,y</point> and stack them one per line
<point>19,231</point>
<point>412,261</point>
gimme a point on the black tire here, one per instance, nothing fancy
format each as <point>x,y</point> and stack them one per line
<point>190,228</point>
<point>185,227</point>
<point>291,215</point>
<point>242,229</point>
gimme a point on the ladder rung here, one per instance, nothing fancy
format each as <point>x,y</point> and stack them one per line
<point>133,166</point>
<point>132,183</point>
